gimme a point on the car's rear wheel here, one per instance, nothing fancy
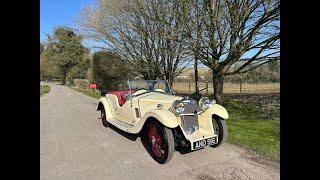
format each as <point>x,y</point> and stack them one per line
<point>104,117</point>
<point>160,142</point>
<point>220,129</point>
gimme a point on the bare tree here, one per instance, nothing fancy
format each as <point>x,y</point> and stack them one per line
<point>149,34</point>
<point>228,32</point>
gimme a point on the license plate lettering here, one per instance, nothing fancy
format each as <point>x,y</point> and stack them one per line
<point>204,142</point>
<point>200,144</point>
<point>211,141</point>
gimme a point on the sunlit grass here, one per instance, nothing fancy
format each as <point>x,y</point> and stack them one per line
<point>249,129</point>
<point>44,89</point>
<point>89,92</point>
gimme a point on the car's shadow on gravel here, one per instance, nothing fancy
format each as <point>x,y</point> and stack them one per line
<point>132,137</point>
<point>184,150</point>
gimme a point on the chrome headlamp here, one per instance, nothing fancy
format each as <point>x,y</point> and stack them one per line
<point>178,107</point>
<point>204,103</point>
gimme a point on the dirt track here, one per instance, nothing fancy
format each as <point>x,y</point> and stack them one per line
<point>75,145</point>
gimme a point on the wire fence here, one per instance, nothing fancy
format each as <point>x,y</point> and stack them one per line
<point>238,88</point>
<point>206,87</point>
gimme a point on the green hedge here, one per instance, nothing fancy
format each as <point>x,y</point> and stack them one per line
<point>44,89</point>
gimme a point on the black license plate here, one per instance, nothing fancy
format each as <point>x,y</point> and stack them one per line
<point>205,142</point>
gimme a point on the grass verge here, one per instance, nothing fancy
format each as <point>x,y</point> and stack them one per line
<point>44,89</point>
<point>247,127</point>
<point>88,92</point>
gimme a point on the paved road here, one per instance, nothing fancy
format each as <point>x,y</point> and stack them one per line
<point>75,145</point>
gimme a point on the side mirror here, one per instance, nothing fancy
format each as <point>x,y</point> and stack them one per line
<point>103,92</point>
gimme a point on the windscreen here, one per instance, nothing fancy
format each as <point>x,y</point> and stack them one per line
<point>150,85</point>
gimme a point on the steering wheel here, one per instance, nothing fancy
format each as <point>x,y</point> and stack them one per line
<point>160,90</point>
<point>140,91</point>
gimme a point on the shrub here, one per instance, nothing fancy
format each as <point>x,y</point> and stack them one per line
<point>81,83</point>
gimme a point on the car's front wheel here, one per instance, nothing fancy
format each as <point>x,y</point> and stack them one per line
<point>160,142</point>
<point>104,117</point>
<point>220,129</point>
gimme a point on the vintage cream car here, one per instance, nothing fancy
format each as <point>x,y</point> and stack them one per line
<point>165,121</point>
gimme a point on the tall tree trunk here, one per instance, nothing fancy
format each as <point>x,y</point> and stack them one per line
<point>196,74</point>
<point>218,87</point>
<point>64,77</point>
<point>90,71</point>
<point>170,82</point>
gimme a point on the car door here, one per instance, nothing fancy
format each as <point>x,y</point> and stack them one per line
<point>127,112</point>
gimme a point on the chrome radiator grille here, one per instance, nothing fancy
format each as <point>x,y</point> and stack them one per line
<point>190,122</point>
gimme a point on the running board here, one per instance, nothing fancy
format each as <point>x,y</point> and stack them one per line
<point>121,125</point>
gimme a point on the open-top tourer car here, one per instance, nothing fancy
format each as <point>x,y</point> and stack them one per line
<point>166,121</point>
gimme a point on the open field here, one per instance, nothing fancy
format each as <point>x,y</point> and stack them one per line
<point>44,89</point>
<point>183,87</point>
<point>190,71</point>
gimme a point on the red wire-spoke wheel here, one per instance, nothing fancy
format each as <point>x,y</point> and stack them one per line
<point>161,142</point>
<point>104,117</point>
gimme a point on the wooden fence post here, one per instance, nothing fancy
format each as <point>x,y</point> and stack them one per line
<point>207,88</point>
<point>240,86</point>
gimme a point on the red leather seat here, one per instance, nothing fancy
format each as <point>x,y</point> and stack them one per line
<point>120,95</point>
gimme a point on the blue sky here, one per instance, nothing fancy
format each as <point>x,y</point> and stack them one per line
<point>59,13</point>
<point>63,13</point>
